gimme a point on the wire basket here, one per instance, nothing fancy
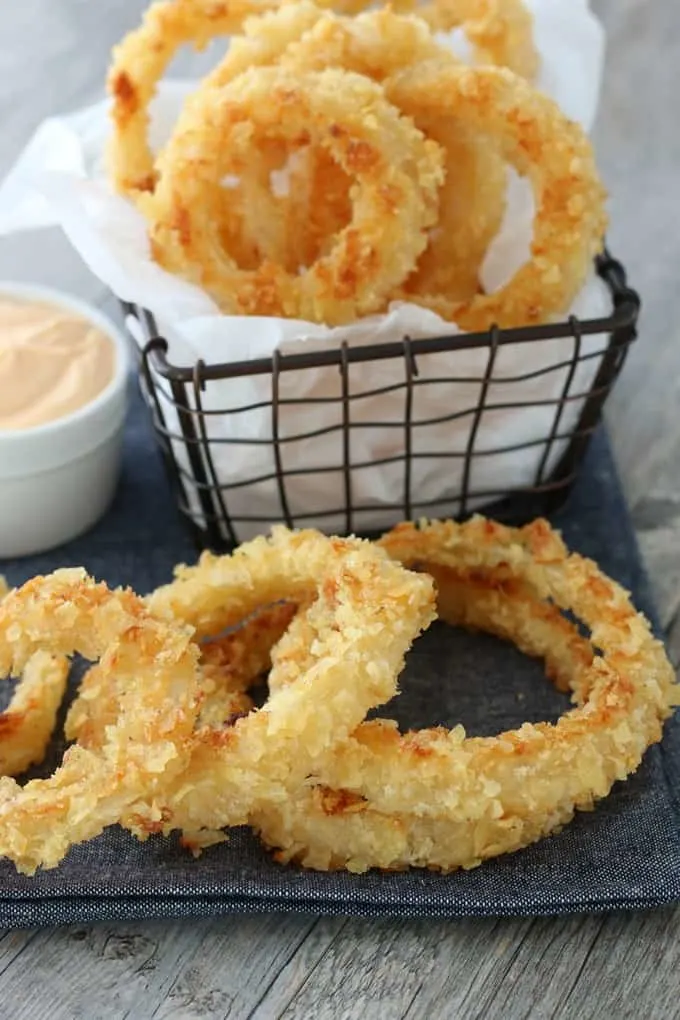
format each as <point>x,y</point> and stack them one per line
<point>216,508</point>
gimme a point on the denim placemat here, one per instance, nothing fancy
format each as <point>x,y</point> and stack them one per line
<point>626,854</point>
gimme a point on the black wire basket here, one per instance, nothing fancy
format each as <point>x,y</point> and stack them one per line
<point>217,505</point>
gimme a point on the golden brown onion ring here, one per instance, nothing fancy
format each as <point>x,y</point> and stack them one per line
<point>438,799</point>
<point>532,134</point>
<point>376,44</point>
<point>397,173</point>
<point>152,668</point>
<point>500,31</point>
<point>139,63</point>
<point>366,610</point>
<point>434,798</point>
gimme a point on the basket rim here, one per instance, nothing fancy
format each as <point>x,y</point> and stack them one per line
<point>624,317</point>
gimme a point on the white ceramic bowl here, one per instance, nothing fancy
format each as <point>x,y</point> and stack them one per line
<point>56,480</point>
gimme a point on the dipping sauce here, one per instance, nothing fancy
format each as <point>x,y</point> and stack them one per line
<point>52,363</point>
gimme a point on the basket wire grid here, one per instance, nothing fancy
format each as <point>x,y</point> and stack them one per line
<point>204,499</point>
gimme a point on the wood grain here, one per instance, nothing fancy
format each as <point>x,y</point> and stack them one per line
<point>52,56</point>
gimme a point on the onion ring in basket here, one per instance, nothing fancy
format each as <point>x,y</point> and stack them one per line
<point>438,799</point>
<point>397,173</point>
<point>152,667</point>
<point>537,139</point>
<point>376,44</point>
<point>139,62</point>
<point>366,610</point>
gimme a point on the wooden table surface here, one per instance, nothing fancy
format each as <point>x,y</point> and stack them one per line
<point>52,59</point>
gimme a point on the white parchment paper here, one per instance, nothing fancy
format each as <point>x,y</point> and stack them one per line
<point>59,179</point>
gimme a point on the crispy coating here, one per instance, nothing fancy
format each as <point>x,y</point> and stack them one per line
<point>228,666</point>
<point>437,799</point>
<point>365,610</point>
<point>533,135</point>
<point>500,31</point>
<point>376,44</point>
<point>28,722</point>
<point>138,64</point>
<point>397,173</point>
<point>151,666</point>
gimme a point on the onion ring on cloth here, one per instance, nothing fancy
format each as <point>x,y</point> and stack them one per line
<point>397,173</point>
<point>535,137</point>
<point>227,667</point>
<point>151,666</point>
<point>28,722</point>
<point>365,610</point>
<point>436,798</point>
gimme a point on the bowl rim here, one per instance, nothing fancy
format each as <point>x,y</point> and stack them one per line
<point>71,302</point>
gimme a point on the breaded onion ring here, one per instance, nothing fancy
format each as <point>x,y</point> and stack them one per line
<point>227,668</point>
<point>438,799</point>
<point>152,668</point>
<point>397,173</point>
<point>501,31</point>
<point>139,63</point>
<point>533,135</point>
<point>376,44</point>
<point>28,722</point>
<point>365,610</point>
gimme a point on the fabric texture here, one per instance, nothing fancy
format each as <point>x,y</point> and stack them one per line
<point>625,854</point>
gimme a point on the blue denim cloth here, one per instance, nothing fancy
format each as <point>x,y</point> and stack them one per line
<point>626,854</point>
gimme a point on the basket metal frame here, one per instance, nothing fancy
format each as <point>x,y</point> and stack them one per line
<point>218,531</point>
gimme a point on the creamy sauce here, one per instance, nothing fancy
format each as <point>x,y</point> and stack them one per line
<point>52,362</point>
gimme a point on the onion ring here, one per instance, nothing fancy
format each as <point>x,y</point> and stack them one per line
<point>366,610</point>
<point>500,31</point>
<point>376,44</point>
<point>434,798</point>
<point>28,722</point>
<point>138,64</point>
<point>228,666</point>
<point>537,139</point>
<point>397,170</point>
<point>438,799</point>
<point>151,665</point>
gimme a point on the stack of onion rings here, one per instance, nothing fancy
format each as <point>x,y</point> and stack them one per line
<point>437,799</point>
<point>319,783</point>
<point>296,250</point>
